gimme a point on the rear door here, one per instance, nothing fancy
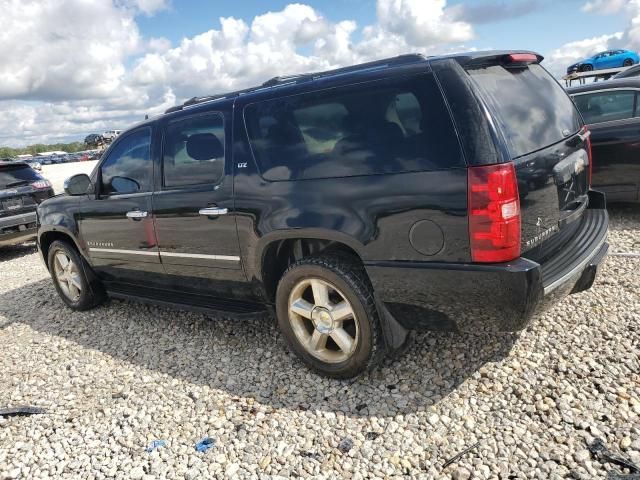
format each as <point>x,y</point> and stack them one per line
<point>116,223</point>
<point>612,116</point>
<point>542,133</point>
<point>193,203</point>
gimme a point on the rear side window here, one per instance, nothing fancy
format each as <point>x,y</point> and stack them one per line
<point>365,129</point>
<point>16,176</point>
<point>606,106</point>
<point>194,151</point>
<point>532,109</point>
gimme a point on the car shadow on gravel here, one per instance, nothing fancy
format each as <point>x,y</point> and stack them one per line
<point>16,251</point>
<point>249,358</point>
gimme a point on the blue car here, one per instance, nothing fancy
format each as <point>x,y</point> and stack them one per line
<point>604,60</point>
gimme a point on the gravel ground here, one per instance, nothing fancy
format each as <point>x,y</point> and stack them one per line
<point>116,378</point>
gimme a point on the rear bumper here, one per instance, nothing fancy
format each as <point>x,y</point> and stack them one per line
<point>490,298</point>
<point>18,229</point>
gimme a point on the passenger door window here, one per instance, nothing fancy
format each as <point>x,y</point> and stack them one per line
<point>365,129</point>
<point>128,168</point>
<point>194,151</point>
<point>606,106</point>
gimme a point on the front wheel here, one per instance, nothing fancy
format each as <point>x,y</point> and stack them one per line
<point>587,68</point>
<point>70,277</point>
<point>328,316</point>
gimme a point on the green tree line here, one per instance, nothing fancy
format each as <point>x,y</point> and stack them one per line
<point>41,147</point>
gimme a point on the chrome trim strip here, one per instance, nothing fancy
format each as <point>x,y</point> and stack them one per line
<point>117,250</point>
<point>229,258</point>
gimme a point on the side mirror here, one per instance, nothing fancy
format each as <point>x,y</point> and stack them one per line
<point>79,184</point>
<point>124,185</point>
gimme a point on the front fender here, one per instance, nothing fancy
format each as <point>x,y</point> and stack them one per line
<point>58,214</point>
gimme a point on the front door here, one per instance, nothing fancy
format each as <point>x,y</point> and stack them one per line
<point>193,205</point>
<point>116,223</point>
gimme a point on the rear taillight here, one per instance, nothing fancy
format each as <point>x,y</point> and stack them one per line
<point>41,184</point>
<point>494,213</point>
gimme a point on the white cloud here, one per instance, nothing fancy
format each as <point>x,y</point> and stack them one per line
<point>148,7</point>
<point>70,67</point>
<point>238,54</point>
<point>64,49</point>
<point>604,6</point>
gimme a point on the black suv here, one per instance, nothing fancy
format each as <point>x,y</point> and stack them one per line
<point>21,190</point>
<point>441,193</point>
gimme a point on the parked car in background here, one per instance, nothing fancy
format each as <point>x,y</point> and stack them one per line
<point>628,73</point>
<point>110,135</point>
<point>35,164</point>
<point>94,140</point>
<point>605,60</point>
<point>612,112</point>
<point>21,190</point>
<point>94,154</point>
<point>359,203</point>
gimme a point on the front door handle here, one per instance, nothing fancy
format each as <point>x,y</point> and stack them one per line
<point>136,214</point>
<point>213,211</point>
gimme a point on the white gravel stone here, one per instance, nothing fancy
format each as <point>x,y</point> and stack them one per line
<point>115,378</point>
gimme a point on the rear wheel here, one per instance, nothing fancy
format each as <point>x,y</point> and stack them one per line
<point>327,314</point>
<point>627,63</point>
<point>70,277</point>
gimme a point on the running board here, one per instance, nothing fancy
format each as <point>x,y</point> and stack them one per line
<point>185,301</point>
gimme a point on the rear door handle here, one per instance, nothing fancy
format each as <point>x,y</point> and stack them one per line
<point>136,214</point>
<point>213,211</point>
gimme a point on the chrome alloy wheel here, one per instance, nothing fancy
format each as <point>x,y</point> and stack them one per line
<point>68,276</point>
<point>323,320</point>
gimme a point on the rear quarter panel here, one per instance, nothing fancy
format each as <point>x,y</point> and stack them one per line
<point>373,214</point>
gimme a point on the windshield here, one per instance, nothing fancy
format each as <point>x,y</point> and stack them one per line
<point>533,110</point>
<point>18,175</point>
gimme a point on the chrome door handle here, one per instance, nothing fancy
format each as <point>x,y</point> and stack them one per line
<point>136,214</point>
<point>213,211</point>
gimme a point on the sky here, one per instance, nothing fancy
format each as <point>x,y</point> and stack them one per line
<point>69,68</point>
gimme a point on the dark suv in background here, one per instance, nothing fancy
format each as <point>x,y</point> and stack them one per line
<point>448,193</point>
<point>21,190</point>
<point>612,111</point>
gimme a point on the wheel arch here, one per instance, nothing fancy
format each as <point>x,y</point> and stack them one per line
<point>47,237</point>
<point>277,251</point>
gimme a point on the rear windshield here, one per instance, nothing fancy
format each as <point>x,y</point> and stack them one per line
<point>533,110</point>
<point>15,176</point>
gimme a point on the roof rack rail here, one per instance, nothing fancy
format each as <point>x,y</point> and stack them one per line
<point>287,78</point>
<point>284,79</point>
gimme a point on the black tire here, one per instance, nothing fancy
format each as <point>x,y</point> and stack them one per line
<point>586,68</point>
<point>91,291</point>
<point>627,63</point>
<point>350,278</point>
